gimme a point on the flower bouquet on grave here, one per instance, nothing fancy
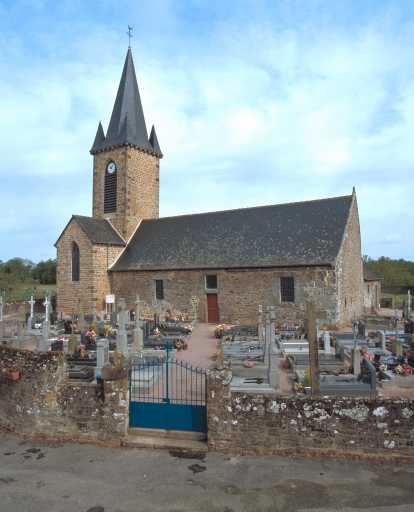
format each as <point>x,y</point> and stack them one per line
<point>91,336</point>
<point>407,370</point>
<point>185,346</point>
<point>157,334</point>
<point>79,351</point>
<point>398,370</point>
<point>10,372</point>
<point>368,356</point>
<point>219,329</point>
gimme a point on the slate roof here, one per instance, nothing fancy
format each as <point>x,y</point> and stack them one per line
<point>295,234</point>
<point>99,231</point>
<point>127,122</point>
<point>370,275</point>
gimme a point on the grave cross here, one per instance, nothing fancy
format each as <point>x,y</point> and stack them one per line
<point>409,305</point>
<point>311,316</point>
<point>32,303</point>
<point>355,331</point>
<point>1,309</point>
<point>46,304</point>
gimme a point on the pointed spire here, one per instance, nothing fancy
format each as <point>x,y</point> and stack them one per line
<point>126,133</point>
<point>99,137</point>
<point>154,141</point>
<point>131,128</point>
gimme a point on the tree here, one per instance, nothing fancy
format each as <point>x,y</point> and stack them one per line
<point>44,272</point>
<point>394,272</point>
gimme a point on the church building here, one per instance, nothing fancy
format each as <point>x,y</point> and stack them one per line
<point>215,267</point>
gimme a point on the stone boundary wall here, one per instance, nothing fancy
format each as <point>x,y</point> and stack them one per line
<point>376,428</point>
<point>44,403</point>
<point>22,307</point>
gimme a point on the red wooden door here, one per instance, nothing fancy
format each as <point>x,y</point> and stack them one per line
<point>212,308</point>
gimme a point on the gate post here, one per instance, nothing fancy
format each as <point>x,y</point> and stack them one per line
<point>218,396</point>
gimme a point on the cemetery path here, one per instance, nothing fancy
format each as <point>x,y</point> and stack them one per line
<point>201,347</point>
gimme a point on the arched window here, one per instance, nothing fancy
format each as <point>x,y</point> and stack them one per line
<point>75,262</point>
<point>110,188</point>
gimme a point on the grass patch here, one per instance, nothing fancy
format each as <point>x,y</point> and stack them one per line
<point>22,292</point>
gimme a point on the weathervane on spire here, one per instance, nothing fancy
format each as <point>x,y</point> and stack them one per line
<point>129,35</point>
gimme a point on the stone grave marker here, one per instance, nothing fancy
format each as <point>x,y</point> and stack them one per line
<point>266,341</point>
<point>1,319</point>
<point>311,316</point>
<point>31,320</point>
<point>137,333</point>
<point>381,336</point>
<point>102,352</point>
<point>46,323</point>
<point>81,317</point>
<point>273,371</point>
<point>260,325</point>
<point>122,343</point>
<point>326,337</point>
<point>355,352</point>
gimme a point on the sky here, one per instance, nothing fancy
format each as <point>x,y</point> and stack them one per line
<point>254,102</point>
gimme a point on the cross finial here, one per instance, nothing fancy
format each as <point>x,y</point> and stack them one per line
<point>129,36</point>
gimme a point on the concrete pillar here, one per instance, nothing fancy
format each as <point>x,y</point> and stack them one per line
<point>273,371</point>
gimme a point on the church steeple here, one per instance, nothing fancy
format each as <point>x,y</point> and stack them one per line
<point>127,124</point>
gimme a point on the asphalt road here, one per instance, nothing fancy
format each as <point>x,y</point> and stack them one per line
<point>69,477</point>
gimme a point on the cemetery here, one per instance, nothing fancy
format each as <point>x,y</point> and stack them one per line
<point>123,360</point>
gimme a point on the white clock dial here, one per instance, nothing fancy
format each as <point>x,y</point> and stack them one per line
<point>111,167</point>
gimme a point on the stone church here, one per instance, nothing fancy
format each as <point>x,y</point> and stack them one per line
<point>216,267</point>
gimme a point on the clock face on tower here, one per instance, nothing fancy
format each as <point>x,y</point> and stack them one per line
<point>111,167</point>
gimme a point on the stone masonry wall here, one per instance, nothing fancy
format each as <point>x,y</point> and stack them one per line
<point>137,187</point>
<point>372,427</point>
<point>349,271</point>
<point>94,281</point>
<point>239,292</point>
<point>43,403</point>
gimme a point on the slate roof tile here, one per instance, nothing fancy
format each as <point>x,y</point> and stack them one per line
<point>295,234</point>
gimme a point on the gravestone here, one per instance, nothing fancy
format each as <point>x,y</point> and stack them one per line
<point>31,319</point>
<point>46,323</point>
<point>122,343</point>
<point>100,324</point>
<point>272,325</point>
<point>355,352</point>
<point>57,345</point>
<point>156,320</point>
<point>72,341</point>
<point>266,341</point>
<point>81,316</point>
<point>273,371</point>
<point>397,348</point>
<point>102,352</point>
<point>381,336</point>
<point>326,337</point>
<point>260,325</point>
<point>137,333</point>
<point>21,329</point>
<point>311,316</point>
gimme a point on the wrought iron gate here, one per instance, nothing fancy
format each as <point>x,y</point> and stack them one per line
<point>167,393</point>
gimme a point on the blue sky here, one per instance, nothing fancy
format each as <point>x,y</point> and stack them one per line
<point>254,102</point>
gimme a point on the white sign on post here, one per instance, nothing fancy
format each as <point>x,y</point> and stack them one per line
<point>110,298</point>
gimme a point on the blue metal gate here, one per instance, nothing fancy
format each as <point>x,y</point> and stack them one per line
<point>167,393</point>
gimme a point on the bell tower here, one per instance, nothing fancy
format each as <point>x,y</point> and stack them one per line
<point>126,161</point>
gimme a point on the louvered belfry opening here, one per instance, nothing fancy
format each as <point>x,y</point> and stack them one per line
<point>110,192</point>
